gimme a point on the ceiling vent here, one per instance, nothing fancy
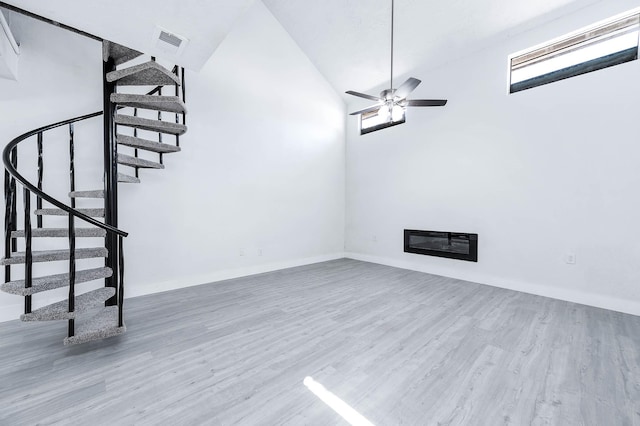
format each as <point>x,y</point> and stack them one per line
<point>168,42</point>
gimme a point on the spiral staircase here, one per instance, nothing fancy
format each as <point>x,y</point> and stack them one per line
<point>131,113</point>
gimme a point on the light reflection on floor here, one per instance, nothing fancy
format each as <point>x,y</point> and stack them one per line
<point>339,406</point>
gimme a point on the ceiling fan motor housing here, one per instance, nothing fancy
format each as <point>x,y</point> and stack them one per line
<point>387,94</point>
<point>395,97</point>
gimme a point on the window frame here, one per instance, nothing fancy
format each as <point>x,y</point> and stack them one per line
<point>572,42</point>
<point>383,125</point>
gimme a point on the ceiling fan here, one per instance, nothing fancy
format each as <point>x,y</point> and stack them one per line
<point>392,102</point>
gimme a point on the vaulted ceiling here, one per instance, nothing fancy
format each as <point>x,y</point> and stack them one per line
<point>347,40</point>
<point>205,23</point>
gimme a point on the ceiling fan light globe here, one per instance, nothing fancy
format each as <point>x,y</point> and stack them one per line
<point>397,112</point>
<point>384,112</point>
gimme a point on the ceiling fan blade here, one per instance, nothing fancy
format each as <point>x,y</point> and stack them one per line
<point>407,87</point>
<point>362,95</point>
<point>369,109</point>
<point>424,102</point>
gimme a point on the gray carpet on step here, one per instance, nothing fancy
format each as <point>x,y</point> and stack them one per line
<point>53,255</point>
<point>98,193</point>
<point>157,103</point>
<point>51,282</point>
<point>60,310</point>
<point>60,212</point>
<point>127,160</point>
<point>146,145</point>
<point>60,232</point>
<point>119,53</point>
<point>148,74</point>
<point>127,179</point>
<point>152,125</point>
<point>101,326</point>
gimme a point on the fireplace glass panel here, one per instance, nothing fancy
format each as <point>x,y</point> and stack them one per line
<point>443,244</point>
<point>440,241</point>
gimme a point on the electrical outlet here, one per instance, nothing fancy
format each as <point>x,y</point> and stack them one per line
<point>241,252</point>
<point>570,258</point>
<point>259,252</point>
<point>374,238</point>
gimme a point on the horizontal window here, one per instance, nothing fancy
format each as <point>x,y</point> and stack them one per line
<point>601,46</point>
<point>381,119</point>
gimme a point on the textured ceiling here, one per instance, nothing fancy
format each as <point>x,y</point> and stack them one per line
<point>349,40</point>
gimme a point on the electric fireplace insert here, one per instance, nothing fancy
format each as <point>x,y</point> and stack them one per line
<point>454,245</point>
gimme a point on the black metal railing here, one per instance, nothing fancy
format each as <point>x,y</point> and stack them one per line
<point>12,176</point>
<point>114,236</point>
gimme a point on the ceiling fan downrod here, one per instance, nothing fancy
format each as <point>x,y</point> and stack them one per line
<point>391,98</point>
<point>392,13</point>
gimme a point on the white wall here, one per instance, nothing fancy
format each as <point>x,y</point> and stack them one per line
<point>59,77</point>
<point>537,175</point>
<point>261,171</point>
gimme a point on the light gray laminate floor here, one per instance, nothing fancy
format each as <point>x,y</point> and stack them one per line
<point>400,347</point>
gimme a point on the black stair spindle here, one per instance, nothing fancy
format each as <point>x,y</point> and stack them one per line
<point>121,289</point>
<point>72,273</point>
<point>160,119</point>
<point>110,179</point>
<point>8,197</point>
<point>176,70</point>
<point>135,135</point>
<point>72,166</point>
<point>40,175</point>
<point>72,232</point>
<point>14,200</point>
<point>28,255</point>
<point>184,99</point>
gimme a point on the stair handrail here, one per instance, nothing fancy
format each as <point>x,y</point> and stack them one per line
<point>17,176</point>
<point>6,153</point>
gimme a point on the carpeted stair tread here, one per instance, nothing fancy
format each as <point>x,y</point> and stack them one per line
<point>134,142</point>
<point>60,212</point>
<point>101,326</point>
<point>156,103</point>
<point>53,255</point>
<point>127,179</point>
<point>51,282</point>
<point>60,310</point>
<point>152,125</point>
<point>148,74</point>
<point>60,232</point>
<point>98,193</point>
<point>119,53</point>
<point>127,160</point>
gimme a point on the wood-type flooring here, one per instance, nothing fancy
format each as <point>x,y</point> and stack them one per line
<point>400,347</point>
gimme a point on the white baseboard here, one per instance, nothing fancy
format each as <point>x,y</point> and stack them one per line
<point>13,311</point>
<point>569,295</point>
<point>227,274</point>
